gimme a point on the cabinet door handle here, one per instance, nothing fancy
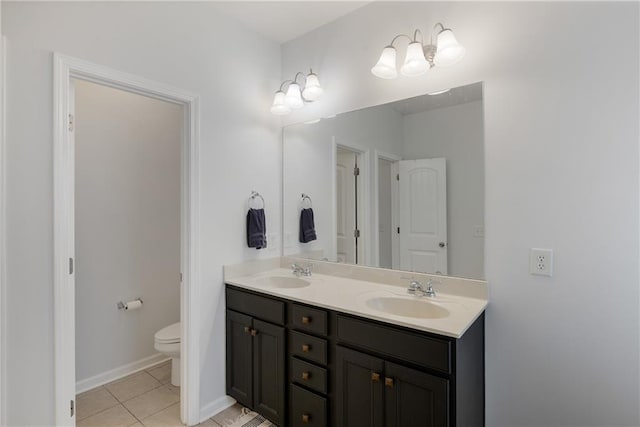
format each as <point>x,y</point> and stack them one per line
<point>306,418</point>
<point>375,377</point>
<point>388,382</point>
<point>306,348</point>
<point>254,332</point>
<point>247,329</point>
<point>306,375</point>
<point>306,320</point>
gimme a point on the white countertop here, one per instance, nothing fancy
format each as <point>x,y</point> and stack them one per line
<point>350,296</point>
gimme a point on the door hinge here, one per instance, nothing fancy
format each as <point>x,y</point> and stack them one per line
<point>180,277</point>
<point>70,122</point>
<point>398,230</point>
<point>356,233</point>
<point>72,409</point>
<point>397,177</point>
<point>70,265</point>
<point>356,171</point>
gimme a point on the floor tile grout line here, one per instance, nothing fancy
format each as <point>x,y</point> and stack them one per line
<point>104,410</point>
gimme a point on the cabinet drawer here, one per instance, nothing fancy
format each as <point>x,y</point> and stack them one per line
<point>309,319</point>
<point>397,343</point>
<point>309,375</point>
<point>308,347</point>
<point>261,307</point>
<point>307,409</point>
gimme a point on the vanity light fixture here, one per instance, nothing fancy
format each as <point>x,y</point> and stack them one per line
<point>295,96</point>
<point>420,57</point>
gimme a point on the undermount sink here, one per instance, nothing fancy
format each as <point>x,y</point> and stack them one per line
<point>283,282</point>
<point>399,306</point>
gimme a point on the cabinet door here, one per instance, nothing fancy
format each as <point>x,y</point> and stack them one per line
<point>414,398</point>
<point>269,371</point>
<point>239,354</point>
<point>359,388</point>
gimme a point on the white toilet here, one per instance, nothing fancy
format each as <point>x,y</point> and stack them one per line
<point>167,341</point>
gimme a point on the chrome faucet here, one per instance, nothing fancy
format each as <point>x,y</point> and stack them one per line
<point>416,288</point>
<point>301,271</point>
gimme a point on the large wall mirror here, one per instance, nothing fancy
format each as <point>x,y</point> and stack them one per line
<point>398,186</point>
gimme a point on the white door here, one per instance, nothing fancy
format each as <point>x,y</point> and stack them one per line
<point>346,206</point>
<point>423,215</point>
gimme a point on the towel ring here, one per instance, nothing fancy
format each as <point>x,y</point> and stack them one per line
<point>254,195</point>
<point>306,198</point>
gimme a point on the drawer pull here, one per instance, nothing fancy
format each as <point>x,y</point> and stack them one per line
<point>254,332</point>
<point>388,382</point>
<point>247,329</point>
<point>306,320</point>
<point>375,377</point>
<point>306,418</point>
<point>306,375</point>
<point>306,348</point>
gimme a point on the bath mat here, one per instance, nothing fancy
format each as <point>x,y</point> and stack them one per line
<point>249,419</point>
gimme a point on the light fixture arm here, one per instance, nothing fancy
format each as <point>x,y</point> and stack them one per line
<point>284,83</point>
<point>397,37</point>
<point>415,36</point>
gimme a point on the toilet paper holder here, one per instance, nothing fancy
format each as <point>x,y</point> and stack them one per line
<point>123,305</point>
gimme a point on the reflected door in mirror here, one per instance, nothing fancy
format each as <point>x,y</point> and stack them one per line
<point>423,215</point>
<point>346,205</point>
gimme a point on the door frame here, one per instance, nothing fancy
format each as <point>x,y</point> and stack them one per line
<point>364,198</point>
<point>375,226</point>
<point>3,228</point>
<point>66,68</point>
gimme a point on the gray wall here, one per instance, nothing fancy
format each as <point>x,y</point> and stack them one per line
<point>188,45</point>
<point>561,150</point>
<point>127,224</point>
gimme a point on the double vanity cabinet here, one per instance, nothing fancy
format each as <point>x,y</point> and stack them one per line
<point>301,365</point>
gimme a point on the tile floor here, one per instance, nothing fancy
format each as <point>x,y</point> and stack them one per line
<point>145,398</point>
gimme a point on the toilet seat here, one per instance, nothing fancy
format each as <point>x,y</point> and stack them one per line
<point>168,335</point>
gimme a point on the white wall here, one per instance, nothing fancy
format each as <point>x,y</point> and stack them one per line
<point>187,45</point>
<point>561,151</point>
<point>127,224</point>
<point>455,133</point>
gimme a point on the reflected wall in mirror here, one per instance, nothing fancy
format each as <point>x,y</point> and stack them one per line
<point>399,185</point>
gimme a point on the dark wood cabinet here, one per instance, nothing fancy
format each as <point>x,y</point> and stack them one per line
<point>239,358</point>
<point>256,372</point>
<point>302,366</point>
<point>359,389</point>
<point>414,399</point>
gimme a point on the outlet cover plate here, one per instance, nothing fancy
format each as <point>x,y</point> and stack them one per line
<point>541,262</point>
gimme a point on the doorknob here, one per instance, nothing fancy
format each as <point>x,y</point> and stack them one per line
<point>442,244</point>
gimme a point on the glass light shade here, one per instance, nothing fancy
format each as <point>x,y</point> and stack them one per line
<point>312,89</point>
<point>386,66</point>
<point>293,98</point>
<point>279,106</point>
<point>449,50</point>
<point>415,63</point>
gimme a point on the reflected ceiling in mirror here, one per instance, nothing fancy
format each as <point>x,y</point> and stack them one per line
<point>399,185</point>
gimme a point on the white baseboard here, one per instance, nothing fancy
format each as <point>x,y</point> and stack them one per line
<point>120,372</point>
<point>218,405</point>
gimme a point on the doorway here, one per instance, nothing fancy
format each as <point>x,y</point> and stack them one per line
<point>66,71</point>
<point>351,204</point>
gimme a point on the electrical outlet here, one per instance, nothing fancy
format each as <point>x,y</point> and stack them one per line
<point>541,262</point>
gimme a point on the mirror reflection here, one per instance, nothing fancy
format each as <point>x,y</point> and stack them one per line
<point>399,185</point>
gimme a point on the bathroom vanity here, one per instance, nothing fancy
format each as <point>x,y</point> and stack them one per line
<point>337,351</point>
